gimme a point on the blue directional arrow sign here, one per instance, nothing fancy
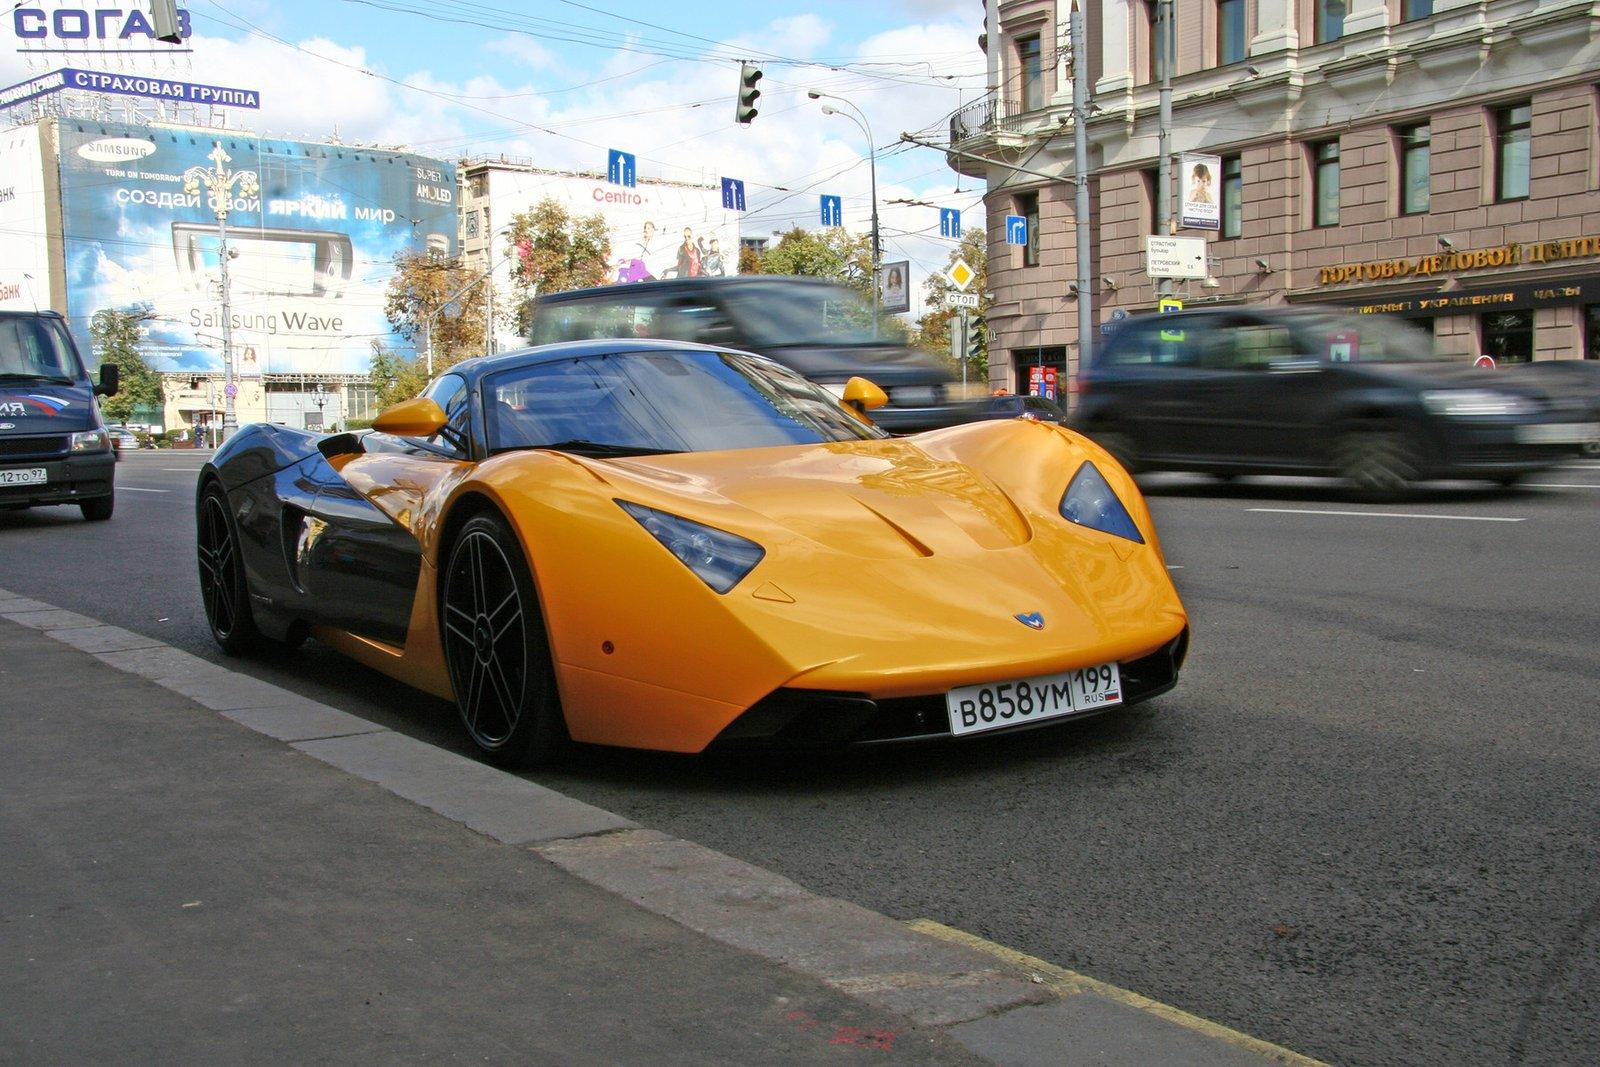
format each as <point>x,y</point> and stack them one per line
<point>949,222</point>
<point>622,168</point>
<point>1016,230</point>
<point>832,211</point>
<point>733,194</point>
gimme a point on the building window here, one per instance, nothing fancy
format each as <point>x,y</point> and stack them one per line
<point>1330,19</point>
<point>1028,208</point>
<point>1513,128</point>
<point>1412,10</point>
<point>1231,43</point>
<point>1591,332</point>
<point>1325,184</point>
<point>1030,66</point>
<point>1152,11</point>
<point>1152,197</point>
<point>1415,174</point>
<point>1508,336</point>
<point>1232,196</point>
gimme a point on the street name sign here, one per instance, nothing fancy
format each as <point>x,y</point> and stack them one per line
<point>1175,257</point>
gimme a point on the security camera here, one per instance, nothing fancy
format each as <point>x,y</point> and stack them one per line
<point>1263,266</point>
<point>1254,72</point>
<point>1446,244</point>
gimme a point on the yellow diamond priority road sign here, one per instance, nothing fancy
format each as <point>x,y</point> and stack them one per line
<point>960,274</point>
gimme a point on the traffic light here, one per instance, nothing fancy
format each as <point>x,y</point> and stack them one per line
<point>975,331</point>
<point>749,75</point>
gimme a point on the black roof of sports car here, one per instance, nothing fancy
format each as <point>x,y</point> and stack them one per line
<point>474,370</point>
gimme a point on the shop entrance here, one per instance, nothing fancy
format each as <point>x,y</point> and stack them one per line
<point>1508,336</point>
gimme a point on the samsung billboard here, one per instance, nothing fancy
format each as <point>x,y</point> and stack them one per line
<point>313,238</point>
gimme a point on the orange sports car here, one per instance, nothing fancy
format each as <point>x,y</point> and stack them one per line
<point>666,545</point>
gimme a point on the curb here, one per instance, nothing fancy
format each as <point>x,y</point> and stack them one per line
<point>1006,1007</point>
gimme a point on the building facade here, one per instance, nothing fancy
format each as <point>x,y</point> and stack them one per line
<point>1434,159</point>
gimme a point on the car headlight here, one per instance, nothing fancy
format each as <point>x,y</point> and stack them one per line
<point>91,441</point>
<point>719,558</point>
<point>1467,403</point>
<point>1090,502</point>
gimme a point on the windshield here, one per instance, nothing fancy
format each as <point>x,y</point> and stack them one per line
<point>638,403</point>
<point>1368,339</point>
<point>775,313</point>
<point>34,348</point>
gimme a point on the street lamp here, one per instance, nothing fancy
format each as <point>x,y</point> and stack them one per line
<point>219,182</point>
<point>321,398</point>
<point>860,119</point>
<point>488,331</point>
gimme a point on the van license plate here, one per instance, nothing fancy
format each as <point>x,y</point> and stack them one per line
<point>976,708</point>
<point>25,476</point>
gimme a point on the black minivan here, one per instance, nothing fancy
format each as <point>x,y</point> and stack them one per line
<point>54,448</point>
<point>823,330</point>
<point>1297,391</point>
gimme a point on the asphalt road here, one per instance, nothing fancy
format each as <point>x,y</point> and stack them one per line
<point>1366,825</point>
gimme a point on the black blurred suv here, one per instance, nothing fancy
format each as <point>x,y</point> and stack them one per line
<point>1287,391</point>
<point>822,330</point>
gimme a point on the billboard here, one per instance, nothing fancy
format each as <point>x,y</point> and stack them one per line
<point>1200,175</point>
<point>312,240</point>
<point>24,249</point>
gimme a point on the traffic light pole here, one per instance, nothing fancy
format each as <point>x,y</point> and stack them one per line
<point>1164,51</point>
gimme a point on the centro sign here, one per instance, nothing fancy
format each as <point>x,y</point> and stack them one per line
<point>105,24</point>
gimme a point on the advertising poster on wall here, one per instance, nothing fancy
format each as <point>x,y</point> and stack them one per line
<point>312,251</point>
<point>1202,207</point>
<point>24,253</point>
<point>894,283</point>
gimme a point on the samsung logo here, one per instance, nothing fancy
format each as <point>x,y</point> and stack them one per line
<point>115,149</point>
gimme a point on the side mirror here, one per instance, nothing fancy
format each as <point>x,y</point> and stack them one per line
<point>110,380</point>
<point>862,395</point>
<point>421,417</point>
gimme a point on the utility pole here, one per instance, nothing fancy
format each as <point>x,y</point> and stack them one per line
<point>1164,52</point>
<point>1080,167</point>
<point>219,182</point>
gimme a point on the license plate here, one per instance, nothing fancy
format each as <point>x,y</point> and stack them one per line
<point>25,476</point>
<point>1559,433</point>
<point>916,395</point>
<point>975,708</point>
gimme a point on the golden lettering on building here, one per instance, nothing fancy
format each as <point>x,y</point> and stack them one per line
<point>1454,261</point>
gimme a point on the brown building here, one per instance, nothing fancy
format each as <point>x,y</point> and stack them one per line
<point>1436,160</point>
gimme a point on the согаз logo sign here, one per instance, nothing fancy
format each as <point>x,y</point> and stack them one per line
<point>79,24</point>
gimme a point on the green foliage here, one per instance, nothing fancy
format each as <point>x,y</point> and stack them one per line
<point>933,329</point>
<point>118,336</point>
<point>396,377</point>
<point>554,251</point>
<point>832,253</point>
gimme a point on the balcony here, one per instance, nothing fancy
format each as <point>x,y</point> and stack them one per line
<point>990,125</point>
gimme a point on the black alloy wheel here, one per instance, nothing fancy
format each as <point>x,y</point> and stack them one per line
<point>222,587</point>
<point>496,647</point>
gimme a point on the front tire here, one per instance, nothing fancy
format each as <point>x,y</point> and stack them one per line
<point>99,509</point>
<point>222,584</point>
<point>497,649</point>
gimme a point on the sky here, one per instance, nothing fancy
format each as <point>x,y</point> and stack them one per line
<point>558,82</point>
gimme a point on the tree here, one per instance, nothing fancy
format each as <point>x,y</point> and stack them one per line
<point>832,253</point>
<point>554,251</point>
<point>749,260</point>
<point>396,377</point>
<point>421,287</point>
<point>933,329</point>
<point>117,336</point>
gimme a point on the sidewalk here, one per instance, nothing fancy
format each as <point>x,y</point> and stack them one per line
<point>180,887</point>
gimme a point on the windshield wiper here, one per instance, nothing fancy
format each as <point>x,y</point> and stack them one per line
<point>54,378</point>
<point>597,448</point>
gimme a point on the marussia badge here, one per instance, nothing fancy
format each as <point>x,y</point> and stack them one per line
<point>1033,620</point>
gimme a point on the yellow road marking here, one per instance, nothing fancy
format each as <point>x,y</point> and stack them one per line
<point>1069,983</point>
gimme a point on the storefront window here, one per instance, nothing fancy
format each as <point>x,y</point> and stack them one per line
<point>1325,184</point>
<point>1591,332</point>
<point>1415,172</point>
<point>1041,371</point>
<point>1508,336</point>
<point>1232,196</point>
